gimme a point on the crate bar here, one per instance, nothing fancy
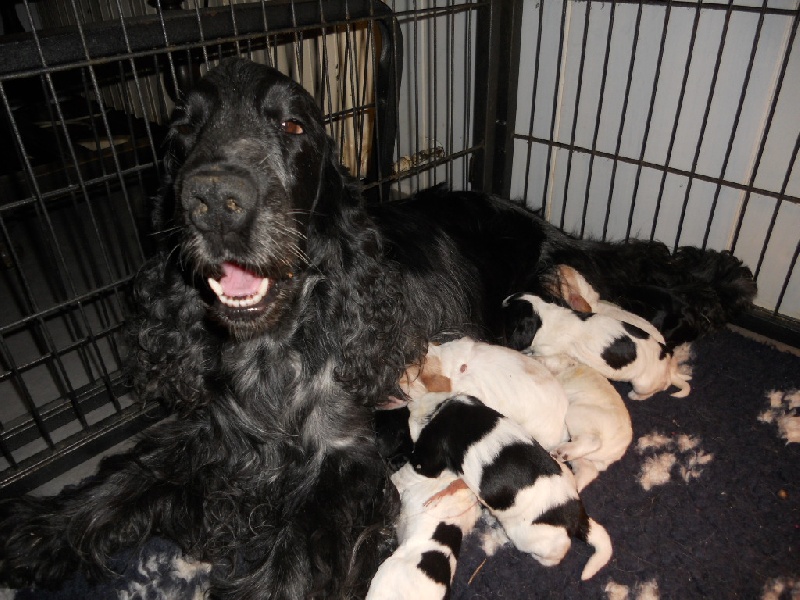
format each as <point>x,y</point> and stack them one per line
<point>711,91</point>
<point>497,73</point>
<point>554,108</point>
<point>623,115</point>
<point>576,111</point>
<point>713,6</point>
<point>736,119</point>
<point>767,127</point>
<point>649,121</point>
<point>598,116</point>
<point>678,110</point>
<point>659,167</point>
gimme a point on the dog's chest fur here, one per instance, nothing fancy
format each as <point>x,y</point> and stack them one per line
<point>291,396</point>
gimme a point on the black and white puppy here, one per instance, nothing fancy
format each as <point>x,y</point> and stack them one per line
<point>581,296</point>
<point>618,350</point>
<point>436,515</point>
<point>532,495</point>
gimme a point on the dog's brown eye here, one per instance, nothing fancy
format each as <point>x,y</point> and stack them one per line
<point>292,127</point>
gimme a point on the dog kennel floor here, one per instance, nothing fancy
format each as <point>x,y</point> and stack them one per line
<point>704,504</point>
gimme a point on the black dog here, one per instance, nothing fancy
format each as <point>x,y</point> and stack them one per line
<point>278,312</point>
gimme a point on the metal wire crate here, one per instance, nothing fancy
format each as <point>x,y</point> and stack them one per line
<point>663,119</point>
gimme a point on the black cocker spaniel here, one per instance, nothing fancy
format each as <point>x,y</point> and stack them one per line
<point>279,311</point>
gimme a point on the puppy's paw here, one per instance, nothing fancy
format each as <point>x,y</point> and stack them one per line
<point>563,452</point>
<point>578,447</point>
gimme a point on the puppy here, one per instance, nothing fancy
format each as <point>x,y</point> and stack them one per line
<point>436,514</point>
<point>598,423</point>
<point>581,296</point>
<point>617,349</point>
<point>511,383</point>
<point>532,495</point>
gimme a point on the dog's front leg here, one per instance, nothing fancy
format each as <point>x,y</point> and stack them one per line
<point>44,541</point>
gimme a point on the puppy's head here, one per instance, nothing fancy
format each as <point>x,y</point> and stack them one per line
<point>521,321</point>
<point>548,544</point>
<point>425,377</point>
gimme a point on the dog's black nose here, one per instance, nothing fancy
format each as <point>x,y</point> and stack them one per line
<point>217,200</point>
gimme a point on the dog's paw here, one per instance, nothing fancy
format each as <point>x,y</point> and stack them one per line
<point>32,551</point>
<point>562,452</point>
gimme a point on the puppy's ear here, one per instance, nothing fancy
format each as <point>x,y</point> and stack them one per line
<point>435,382</point>
<point>578,302</point>
<point>569,289</point>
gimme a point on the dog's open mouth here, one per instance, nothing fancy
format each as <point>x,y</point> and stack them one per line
<point>242,293</point>
<point>239,287</point>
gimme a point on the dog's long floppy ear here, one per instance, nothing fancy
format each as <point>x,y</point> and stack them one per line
<point>520,323</point>
<point>332,181</point>
<point>165,206</point>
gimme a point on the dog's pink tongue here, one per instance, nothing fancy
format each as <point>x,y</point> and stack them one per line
<point>237,281</point>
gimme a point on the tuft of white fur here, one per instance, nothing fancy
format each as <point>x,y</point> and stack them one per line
<point>657,470</point>
<point>781,412</point>
<point>647,590</point>
<point>598,539</point>
<point>665,453</point>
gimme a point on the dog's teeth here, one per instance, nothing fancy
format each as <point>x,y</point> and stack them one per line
<point>215,286</point>
<point>263,288</point>
<point>241,301</point>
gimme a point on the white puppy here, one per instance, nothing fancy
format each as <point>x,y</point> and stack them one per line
<point>513,384</point>
<point>532,495</point>
<point>436,515</point>
<point>617,349</point>
<point>598,423</point>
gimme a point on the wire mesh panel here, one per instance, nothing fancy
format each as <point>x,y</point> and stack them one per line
<point>670,120</point>
<point>674,121</point>
<point>86,91</point>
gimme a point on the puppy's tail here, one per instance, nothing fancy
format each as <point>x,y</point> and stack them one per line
<point>680,371</point>
<point>597,537</point>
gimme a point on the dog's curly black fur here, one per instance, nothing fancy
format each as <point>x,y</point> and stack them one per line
<point>270,468</point>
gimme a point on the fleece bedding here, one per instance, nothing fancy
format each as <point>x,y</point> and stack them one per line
<point>704,504</point>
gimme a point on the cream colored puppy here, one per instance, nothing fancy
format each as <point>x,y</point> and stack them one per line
<point>598,423</point>
<point>511,383</point>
